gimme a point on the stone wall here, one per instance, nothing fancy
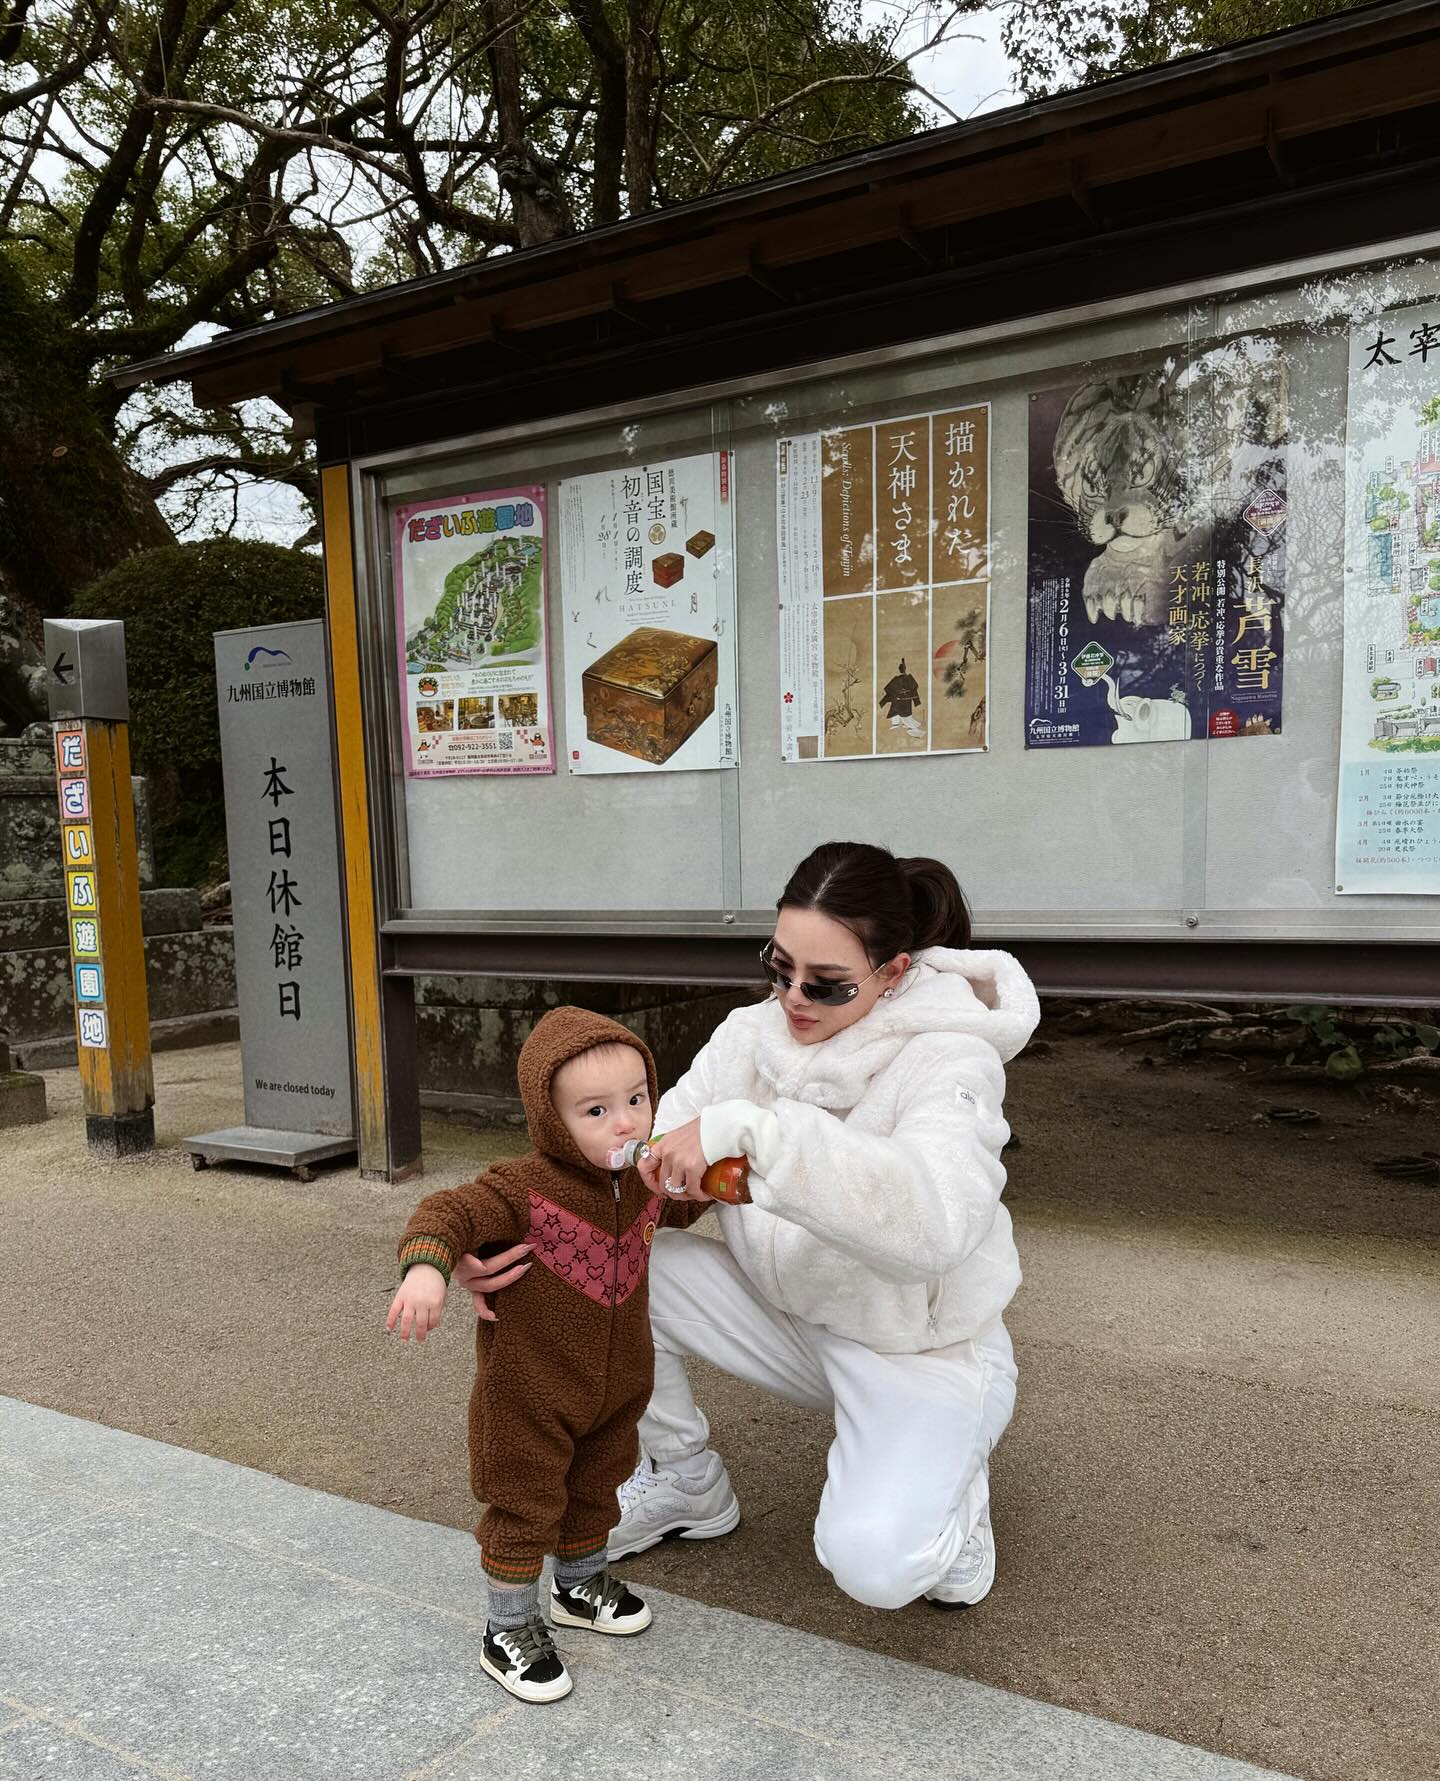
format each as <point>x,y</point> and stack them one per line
<point>189,970</point>
<point>470,1030</point>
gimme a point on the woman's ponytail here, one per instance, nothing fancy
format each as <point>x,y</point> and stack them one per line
<point>942,916</point>
<point>891,905</point>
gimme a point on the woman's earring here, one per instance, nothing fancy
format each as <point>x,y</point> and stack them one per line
<point>888,994</point>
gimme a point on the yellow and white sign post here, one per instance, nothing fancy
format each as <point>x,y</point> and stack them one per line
<point>90,707</point>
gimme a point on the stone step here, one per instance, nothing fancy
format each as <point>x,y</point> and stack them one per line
<point>36,922</point>
<point>221,1026</point>
<point>30,862</point>
<point>185,973</point>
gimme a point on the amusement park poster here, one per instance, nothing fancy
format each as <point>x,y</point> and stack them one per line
<point>883,537</point>
<point>470,586</point>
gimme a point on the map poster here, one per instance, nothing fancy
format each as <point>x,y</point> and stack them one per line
<point>883,538</point>
<point>649,616</point>
<point>470,580</point>
<point>1156,586</point>
<point>1387,836</point>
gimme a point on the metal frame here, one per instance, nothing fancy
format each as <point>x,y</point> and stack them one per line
<point>519,943</point>
<point>1052,321</point>
<point>1167,969</point>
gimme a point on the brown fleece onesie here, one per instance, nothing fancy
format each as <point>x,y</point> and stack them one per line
<point>564,1373</point>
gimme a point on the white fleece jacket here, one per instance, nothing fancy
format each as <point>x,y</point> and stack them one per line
<point>875,1155</point>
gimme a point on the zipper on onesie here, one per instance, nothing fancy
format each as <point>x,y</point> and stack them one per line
<point>615,1260</point>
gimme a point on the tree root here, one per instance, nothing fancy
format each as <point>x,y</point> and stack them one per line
<point>1422,1065</point>
<point>1199,1023</point>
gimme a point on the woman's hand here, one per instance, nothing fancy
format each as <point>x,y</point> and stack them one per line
<point>418,1303</point>
<point>493,1275</point>
<point>680,1162</point>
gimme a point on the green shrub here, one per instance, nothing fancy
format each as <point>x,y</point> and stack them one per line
<point>173,600</point>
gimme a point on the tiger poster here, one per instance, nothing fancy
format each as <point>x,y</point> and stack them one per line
<point>883,536</point>
<point>1156,586</point>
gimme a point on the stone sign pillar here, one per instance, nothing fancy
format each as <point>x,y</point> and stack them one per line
<point>273,684</point>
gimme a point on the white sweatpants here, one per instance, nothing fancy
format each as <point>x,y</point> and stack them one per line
<point>907,1476</point>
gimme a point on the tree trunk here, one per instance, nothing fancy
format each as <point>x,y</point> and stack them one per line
<point>542,212</point>
<point>608,55</point>
<point>70,508</point>
<point>641,71</point>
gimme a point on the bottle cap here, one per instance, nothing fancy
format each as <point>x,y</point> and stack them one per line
<point>628,1154</point>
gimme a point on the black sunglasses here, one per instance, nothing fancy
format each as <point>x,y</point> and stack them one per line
<point>812,992</point>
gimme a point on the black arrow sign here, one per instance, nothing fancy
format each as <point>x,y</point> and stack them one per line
<point>64,668</point>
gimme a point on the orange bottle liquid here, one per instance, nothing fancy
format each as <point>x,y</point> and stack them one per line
<point>728,1180</point>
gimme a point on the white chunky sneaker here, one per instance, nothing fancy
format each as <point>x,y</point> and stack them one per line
<point>525,1662</point>
<point>970,1579</point>
<point>656,1504</point>
<point>601,1604</point>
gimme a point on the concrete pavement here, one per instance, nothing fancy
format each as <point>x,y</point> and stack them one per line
<point>171,1615</point>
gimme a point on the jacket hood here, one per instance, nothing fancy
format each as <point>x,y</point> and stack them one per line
<point>980,995</point>
<point>561,1035</point>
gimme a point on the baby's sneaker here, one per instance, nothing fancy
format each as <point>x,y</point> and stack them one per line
<point>524,1661</point>
<point>601,1603</point>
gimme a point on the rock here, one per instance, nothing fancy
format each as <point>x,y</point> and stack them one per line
<point>22,1096</point>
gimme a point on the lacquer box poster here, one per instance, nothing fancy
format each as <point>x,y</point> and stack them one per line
<point>883,539</point>
<point>649,616</point>
<point>1157,551</point>
<point>470,580</point>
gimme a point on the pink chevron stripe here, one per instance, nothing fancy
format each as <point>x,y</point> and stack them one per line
<point>587,1258</point>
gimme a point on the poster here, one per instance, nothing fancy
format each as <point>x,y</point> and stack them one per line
<point>1388,810</point>
<point>470,581</point>
<point>883,539</point>
<point>1156,585</point>
<point>649,604</point>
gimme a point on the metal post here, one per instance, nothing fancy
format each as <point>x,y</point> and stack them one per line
<point>387,1096</point>
<point>89,704</point>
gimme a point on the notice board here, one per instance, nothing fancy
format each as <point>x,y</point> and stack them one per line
<point>1221,822</point>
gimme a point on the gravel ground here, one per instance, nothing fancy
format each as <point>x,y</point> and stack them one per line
<point>1216,1506</point>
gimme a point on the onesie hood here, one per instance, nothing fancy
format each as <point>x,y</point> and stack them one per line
<point>561,1035</point>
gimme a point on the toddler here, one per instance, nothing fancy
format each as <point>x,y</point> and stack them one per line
<point>563,1374</point>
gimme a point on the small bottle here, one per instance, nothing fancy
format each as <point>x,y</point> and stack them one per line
<point>727,1180</point>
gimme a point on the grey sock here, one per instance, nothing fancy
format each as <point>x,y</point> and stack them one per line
<point>509,1608</point>
<point>572,1571</point>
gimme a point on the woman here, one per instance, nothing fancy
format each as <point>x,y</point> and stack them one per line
<point>870,1274</point>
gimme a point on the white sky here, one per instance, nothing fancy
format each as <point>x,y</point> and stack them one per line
<point>969,72</point>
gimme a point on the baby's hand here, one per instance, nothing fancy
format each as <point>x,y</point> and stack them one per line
<point>418,1303</point>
